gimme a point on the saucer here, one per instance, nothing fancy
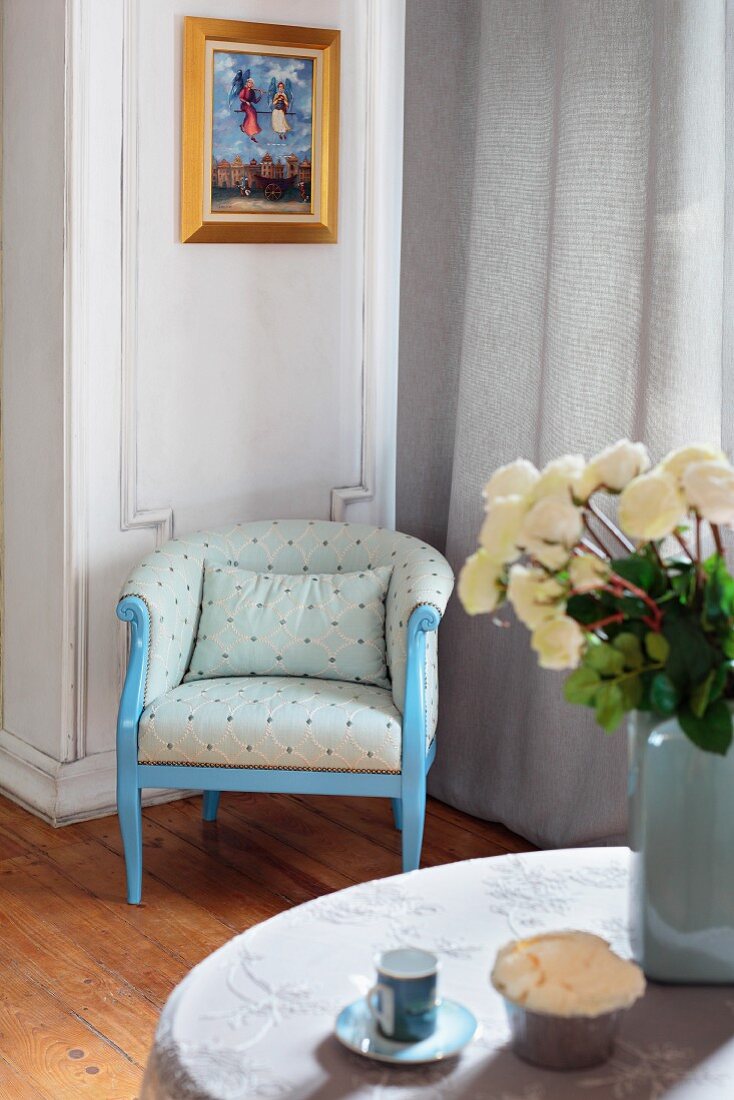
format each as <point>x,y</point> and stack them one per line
<point>357,1030</point>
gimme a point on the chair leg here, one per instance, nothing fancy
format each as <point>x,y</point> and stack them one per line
<point>397,812</point>
<point>211,805</point>
<point>131,827</point>
<point>413,816</point>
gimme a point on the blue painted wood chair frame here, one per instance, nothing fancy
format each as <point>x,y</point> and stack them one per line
<point>407,790</point>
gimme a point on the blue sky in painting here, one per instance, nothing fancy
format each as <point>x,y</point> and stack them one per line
<point>228,139</point>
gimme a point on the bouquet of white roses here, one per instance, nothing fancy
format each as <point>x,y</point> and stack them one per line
<point>641,630</point>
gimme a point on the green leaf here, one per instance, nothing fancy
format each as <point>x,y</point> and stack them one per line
<point>645,702</point>
<point>605,659</point>
<point>690,658</point>
<point>657,647</point>
<point>632,692</point>
<point>720,678</point>
<point>638,571</point>
<point>715,566</point>
<point>700,695</point>
<point>712,732</point>
<point>683,583</point>
<point>609,706</point>
<point>633,607</point>
<point>728,645</point>
<point>581,686</point>
<point>663,694</point>
<point>584,609</point>
<point>718,592</point>
<point>630,648</point>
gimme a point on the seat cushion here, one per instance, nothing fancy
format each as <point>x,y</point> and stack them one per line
<point>329,626</point>
<point>273,722</point>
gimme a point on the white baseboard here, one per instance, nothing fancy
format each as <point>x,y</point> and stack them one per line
<point>62,793</point>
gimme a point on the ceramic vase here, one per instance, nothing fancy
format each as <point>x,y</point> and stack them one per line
<point>681,832</point>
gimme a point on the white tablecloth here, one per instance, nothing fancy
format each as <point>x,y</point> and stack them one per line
<point>255,1018</point>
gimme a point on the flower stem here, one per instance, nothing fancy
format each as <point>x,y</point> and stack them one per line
<point>617,584</point>
<point>600,623</point>
<point>717,539</point>
<point>684,546</point>
<point>633,672</point>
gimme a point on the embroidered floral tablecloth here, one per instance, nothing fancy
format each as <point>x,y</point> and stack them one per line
<point>255,1018</point>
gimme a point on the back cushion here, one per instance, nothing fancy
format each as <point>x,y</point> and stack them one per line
<point>330,626</point>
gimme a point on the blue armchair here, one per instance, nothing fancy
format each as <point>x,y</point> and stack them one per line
<point>201,733</point>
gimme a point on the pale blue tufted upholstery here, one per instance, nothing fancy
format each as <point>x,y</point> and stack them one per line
<point>170,580</point>
<point>273,722</point>
<point>328,625</point>
<point>278,733</point>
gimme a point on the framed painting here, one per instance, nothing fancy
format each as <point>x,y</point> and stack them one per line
<point>260,133</point>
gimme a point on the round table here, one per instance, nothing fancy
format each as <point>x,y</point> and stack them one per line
<point>255,1018</point>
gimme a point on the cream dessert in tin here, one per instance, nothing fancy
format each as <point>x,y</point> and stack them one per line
<point>565,993</point>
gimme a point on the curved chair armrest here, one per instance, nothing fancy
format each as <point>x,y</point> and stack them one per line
<point>133,610</point>
<point>168,584</point>
<point>422,581</point>
<point>423,621</point>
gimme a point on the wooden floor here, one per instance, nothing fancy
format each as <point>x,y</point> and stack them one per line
<point>83,975</point>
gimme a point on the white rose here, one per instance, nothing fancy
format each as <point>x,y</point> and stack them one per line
<point>558,643</point>
<point>651,506</point>
<point>558,477</point>
<point>480,588</point>
<point>709,487</point>
<point>553,556</point>
<point>535,596</point>
<point>613,468</point>
<point>678,461</point>
<point>588,572</point>
<point>501,528</point>
<point>550,530</point>
<point>513,480</point>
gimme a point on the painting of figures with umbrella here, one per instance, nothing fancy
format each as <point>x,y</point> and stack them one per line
<point>260,130</point>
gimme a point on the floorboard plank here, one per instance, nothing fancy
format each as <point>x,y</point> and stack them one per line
<point>26,829</point>
<point>291,822</point>
<point>196,875</point>
<point>234,841</point>
<point>77,918</point>
<point>55,1049</point>
<point>14,1086</point>
<point>76,980</point>
<point>495,832</point>
<point>372,817</point>
<point>165,915</point>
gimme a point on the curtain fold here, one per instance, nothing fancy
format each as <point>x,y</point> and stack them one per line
<point>564,260</point>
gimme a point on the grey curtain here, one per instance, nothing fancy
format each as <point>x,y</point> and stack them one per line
<point>564,283</point>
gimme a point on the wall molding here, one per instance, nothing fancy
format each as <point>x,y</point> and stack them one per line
<point>62,792</point>
<point>132,517</point>
<point>385,67</point>
<point>385,64</point>
<point>75,343</point>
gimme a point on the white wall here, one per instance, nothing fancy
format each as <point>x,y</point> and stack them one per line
<point>33,336</point>
<point>205,383</point>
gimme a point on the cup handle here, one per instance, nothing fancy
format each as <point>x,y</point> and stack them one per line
<point>381,1003</point>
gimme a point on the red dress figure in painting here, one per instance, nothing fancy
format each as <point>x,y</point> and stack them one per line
<point>249,96</point>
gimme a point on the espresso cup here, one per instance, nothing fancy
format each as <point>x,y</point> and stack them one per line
<point>403,1001</point>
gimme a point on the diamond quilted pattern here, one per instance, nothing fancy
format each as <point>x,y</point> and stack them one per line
<point>272,722</point>
<point>329,625</point>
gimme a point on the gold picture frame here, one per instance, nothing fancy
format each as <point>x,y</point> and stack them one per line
<point>260,133</point>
